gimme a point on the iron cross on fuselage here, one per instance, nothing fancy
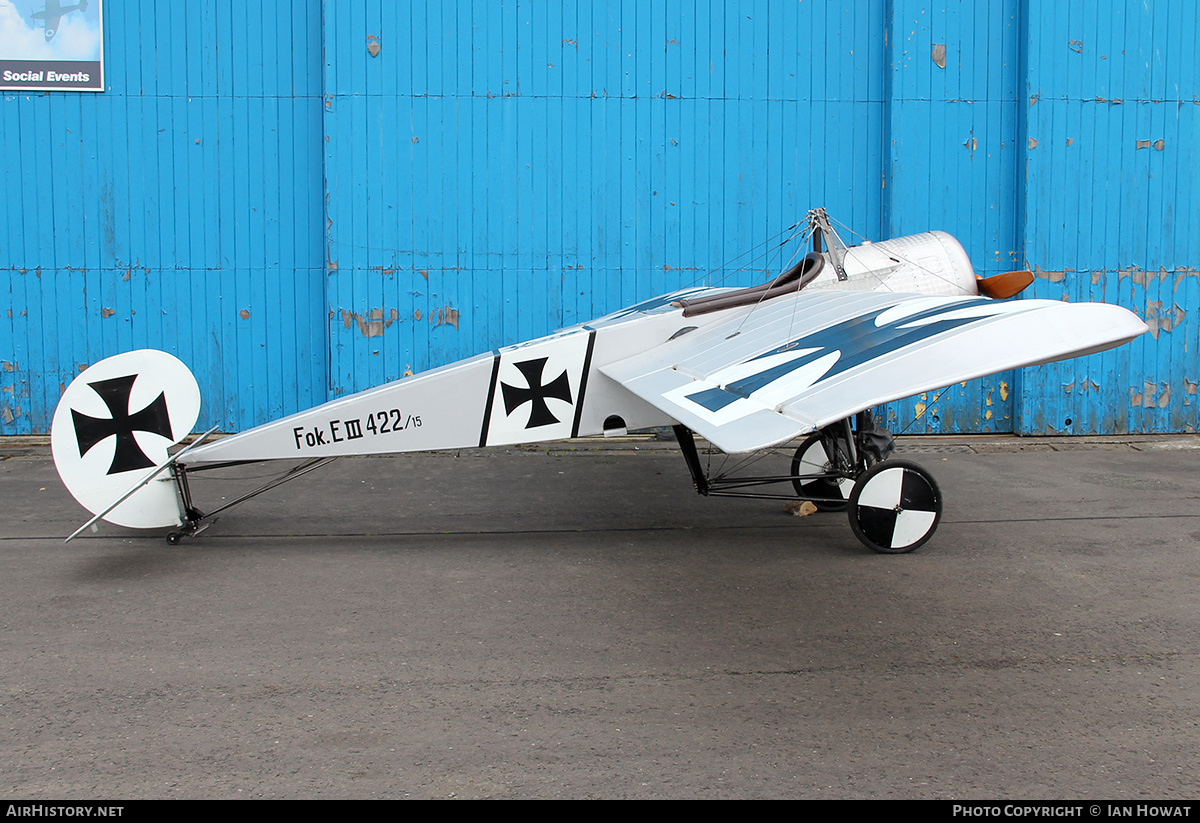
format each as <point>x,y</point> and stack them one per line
<point>536,393</point>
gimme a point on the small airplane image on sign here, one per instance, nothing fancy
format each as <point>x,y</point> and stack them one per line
<point>54,13</point>
<point>807,355</point>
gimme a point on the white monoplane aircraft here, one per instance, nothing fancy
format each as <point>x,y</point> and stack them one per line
<point>842,331</point>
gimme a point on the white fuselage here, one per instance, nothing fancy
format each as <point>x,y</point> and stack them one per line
<point>552,388</point>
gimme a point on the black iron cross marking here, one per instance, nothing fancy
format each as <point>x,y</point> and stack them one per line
<point>536,394</point>
<point>128,455</point>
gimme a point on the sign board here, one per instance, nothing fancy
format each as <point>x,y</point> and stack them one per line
<point>51,45</point>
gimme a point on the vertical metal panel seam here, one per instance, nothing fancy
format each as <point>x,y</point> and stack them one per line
<point>887,184</point>
<point>1021,169</point>
<point>326,306</point>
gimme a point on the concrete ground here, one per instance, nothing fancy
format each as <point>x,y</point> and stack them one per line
<point>577,622</point>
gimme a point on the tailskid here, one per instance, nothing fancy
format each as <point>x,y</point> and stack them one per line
<point>193,521</point>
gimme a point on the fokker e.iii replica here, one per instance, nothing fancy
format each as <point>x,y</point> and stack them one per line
<point>808,354</point>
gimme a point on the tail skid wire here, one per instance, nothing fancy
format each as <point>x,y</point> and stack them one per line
<point>193,517</point>
<point>157,470</point>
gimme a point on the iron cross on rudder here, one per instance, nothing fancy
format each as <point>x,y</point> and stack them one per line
<point>128,454</point>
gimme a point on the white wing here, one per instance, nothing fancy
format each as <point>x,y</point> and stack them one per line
<point>778,370</point>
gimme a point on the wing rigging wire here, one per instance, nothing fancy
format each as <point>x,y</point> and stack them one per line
<point>808,234</point>
<point>770,250</point>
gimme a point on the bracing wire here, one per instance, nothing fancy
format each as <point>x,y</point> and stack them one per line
<point>768,250</point>
<point>763,296</point>
<point>921,413</point>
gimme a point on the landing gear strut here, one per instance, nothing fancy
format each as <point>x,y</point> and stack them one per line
<point>893,505</point>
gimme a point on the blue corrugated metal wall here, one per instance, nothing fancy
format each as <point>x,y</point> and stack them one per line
<point>1112,161</point>
<point>952,154</point>
<point>307,199</point>
<point>522,167</point>
<point>180,209</point>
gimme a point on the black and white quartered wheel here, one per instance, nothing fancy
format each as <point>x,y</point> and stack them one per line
<point>895,507</point>
<point>812,459</point>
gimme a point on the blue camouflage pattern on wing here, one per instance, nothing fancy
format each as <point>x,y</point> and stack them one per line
<point>858,340</point>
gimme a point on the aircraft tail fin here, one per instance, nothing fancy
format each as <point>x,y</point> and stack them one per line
<point>113,424</point>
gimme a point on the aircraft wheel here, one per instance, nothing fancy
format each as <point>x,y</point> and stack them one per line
<point>811,458</point>
<point>895,507</point>
<point>174,537</point>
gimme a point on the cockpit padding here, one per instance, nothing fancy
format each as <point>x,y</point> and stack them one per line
<point>792,280</point>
